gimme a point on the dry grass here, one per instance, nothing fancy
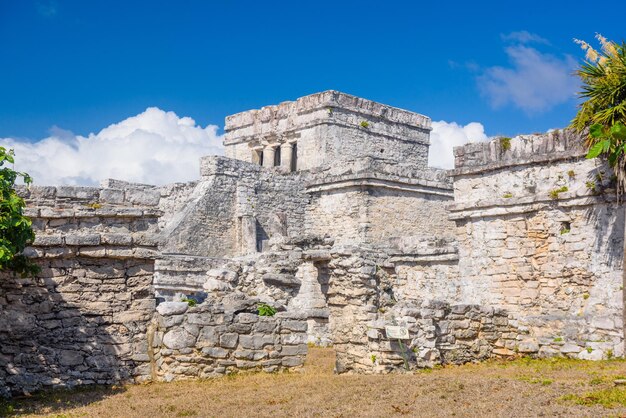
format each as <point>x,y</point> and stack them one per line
<point>519,388</point>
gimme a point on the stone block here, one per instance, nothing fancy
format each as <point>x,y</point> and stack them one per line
<point>528,347</point>
<point>213,285</point>
<point>70,357</point>
<point>145,197</point>
<point>300,326</point>
<point>172,308</point>
<point>215,352</point>
<point>116,239</point>
<point>208,336</point>
<point>114,196</point>
<point>246,318</point>
<point>293,339</point>
<point>229,340</point>
<point>93,252</point>
<point>244,354</point>
<point>503,352</point>
<point>82,239</point>
<point>146,238</point>
<point>294,350</point>
<point>87,193</point>
<point>178,338</point>
<point>48,240</point>
<point>292,361</point>
<point>568,348</point>
<point>255,341</point>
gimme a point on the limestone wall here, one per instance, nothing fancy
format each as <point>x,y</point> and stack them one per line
<point>364,297</point>
<point>235,209</point>
<point>541,236</point>
<point>340,214</point>
<point>440,333</point>
<point>83,319</point>
<point>224,336</point>
<point>367,200</point>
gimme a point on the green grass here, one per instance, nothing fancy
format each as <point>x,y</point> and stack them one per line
<point>608,398</point>
<point>554,194</point>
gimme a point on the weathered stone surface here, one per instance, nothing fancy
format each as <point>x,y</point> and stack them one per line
<point>325,210</point>
<point>229,340</point>
<point>178,338</point>
<point>172,308</point>
<point>528,347</point>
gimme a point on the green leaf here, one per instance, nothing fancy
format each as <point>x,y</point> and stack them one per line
<point>596,130</point>
<point>595,150</point>
<point>618,131</point>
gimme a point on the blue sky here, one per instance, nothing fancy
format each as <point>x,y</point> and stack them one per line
<point>83,65</point>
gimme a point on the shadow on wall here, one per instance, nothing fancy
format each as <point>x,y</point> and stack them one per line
<point>81,322</point>
<point>609,235</point>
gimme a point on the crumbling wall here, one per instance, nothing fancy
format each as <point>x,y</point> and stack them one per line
<point>222,336</point>
<point>83,319</point>
<point>540,235</point>
<point>364,300</point>
<point>229,193</point>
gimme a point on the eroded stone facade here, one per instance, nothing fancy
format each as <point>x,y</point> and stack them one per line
<point>325,209</point>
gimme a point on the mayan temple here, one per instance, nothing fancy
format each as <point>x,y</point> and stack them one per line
<point>325,210</point>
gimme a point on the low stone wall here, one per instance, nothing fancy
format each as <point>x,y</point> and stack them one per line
<point>442,334</point>
<point>216,338</point>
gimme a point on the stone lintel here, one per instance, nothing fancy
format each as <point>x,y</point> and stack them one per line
<point>507,206</point>
<point>380,181</point>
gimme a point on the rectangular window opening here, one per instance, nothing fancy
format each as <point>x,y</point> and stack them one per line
<point>276,156</point>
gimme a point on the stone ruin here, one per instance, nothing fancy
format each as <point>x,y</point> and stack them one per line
<point>325,209</point>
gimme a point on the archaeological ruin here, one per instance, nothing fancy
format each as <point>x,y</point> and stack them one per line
<point>325,210</point>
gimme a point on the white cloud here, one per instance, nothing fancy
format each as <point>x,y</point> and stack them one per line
<point>446,136</point>
<point>154,147</point>
<point>535,82</point>
<point>524,37</point>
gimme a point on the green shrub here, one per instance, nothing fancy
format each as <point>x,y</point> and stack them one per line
<point>505,143</point>
<point>16,232</point>
<point>266,310</point>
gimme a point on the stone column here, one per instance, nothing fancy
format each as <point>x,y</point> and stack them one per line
<point>285,156</point>
<point>268,156</point>
<point>248,234</point>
